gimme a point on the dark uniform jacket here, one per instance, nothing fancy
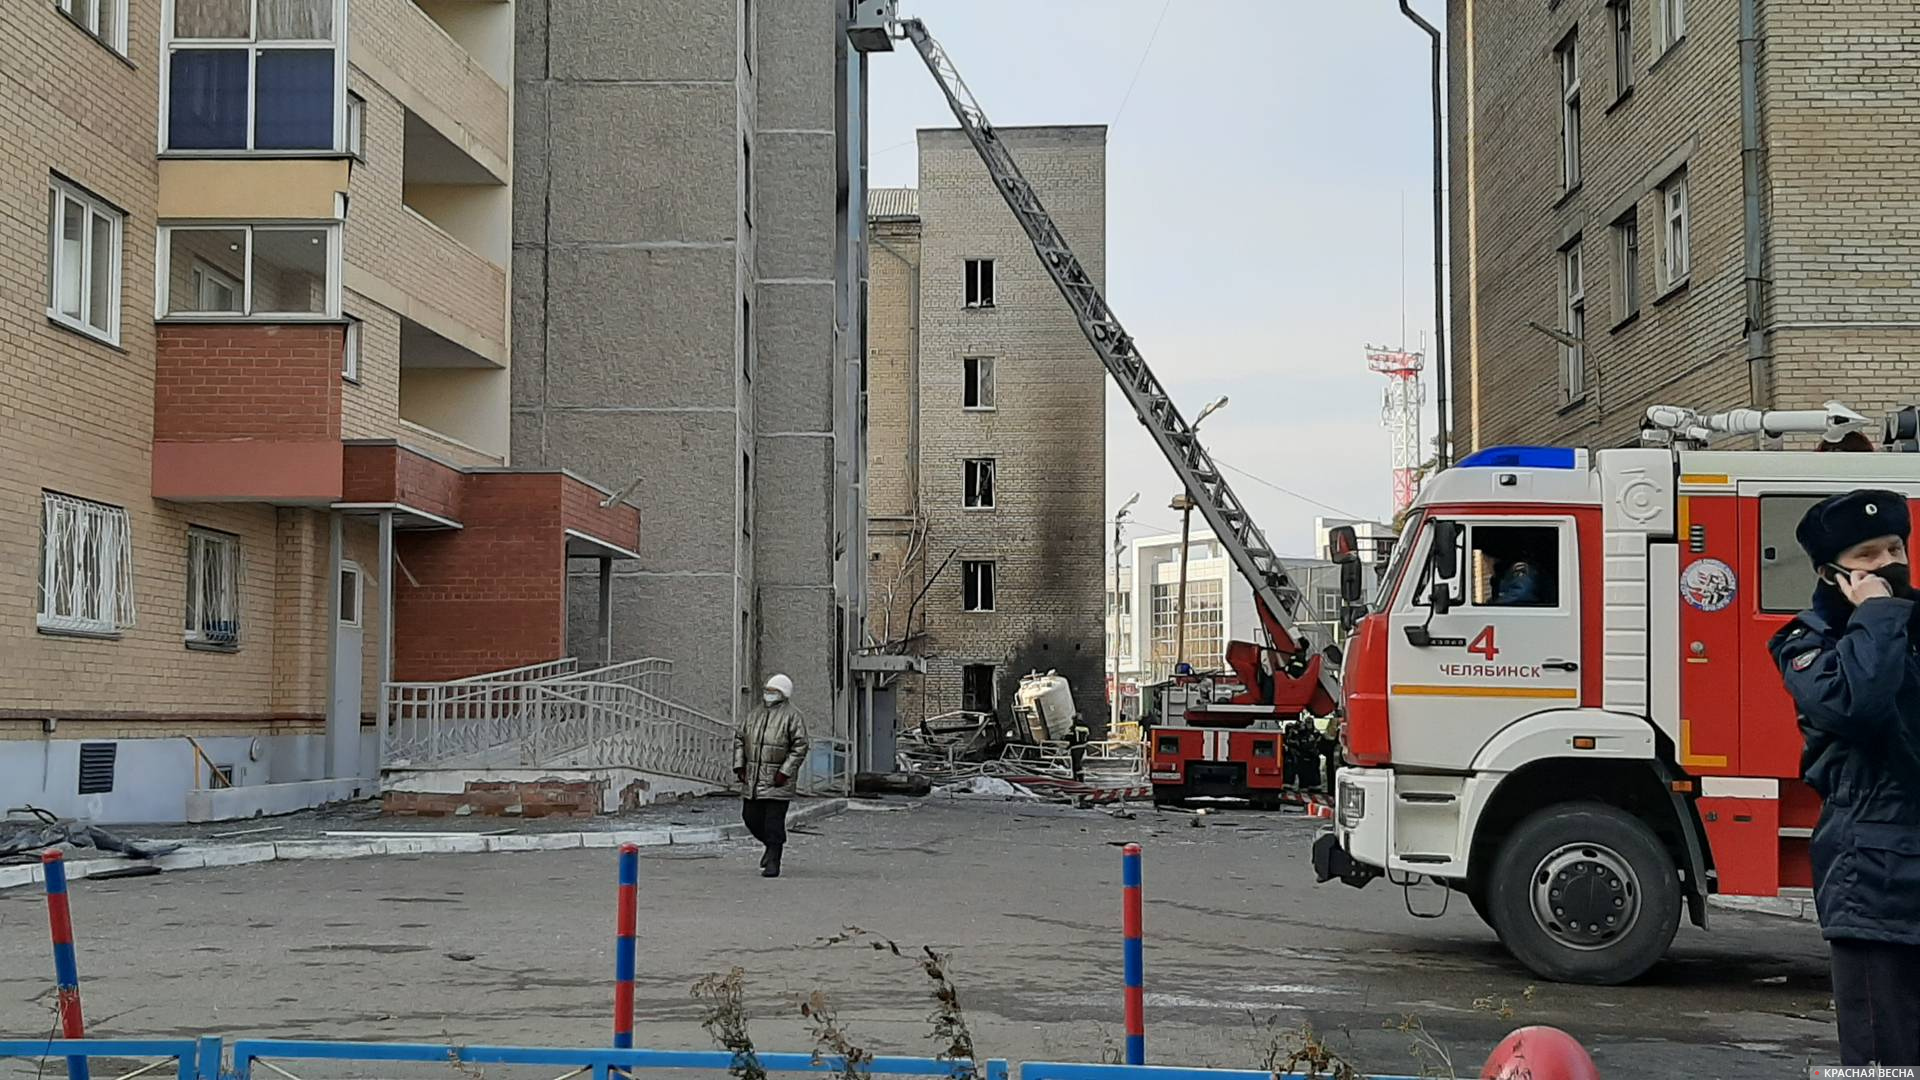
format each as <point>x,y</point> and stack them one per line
<point>1855,678</point>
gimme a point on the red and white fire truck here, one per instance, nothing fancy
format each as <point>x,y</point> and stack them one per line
<point>1584,758</point>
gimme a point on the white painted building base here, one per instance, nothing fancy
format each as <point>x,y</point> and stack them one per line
<point>162,780</point>
<point>266,800</point>
<point>646,788</point>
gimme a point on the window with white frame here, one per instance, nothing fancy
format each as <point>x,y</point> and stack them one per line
<point>1569,54</point>
<point>980,283</point>
<point>1622,11</point>
<point>1673,22</point>
<point>979,483</point>
<point>250,271</point>
<point>264,75</point>
<point>1626,260</point>
<point>1676,254</point>
<point>86,566</point>
<point>356,143</point>
<point>350,352</point>
<point>213,588</point>
<point>104,19</point>
<point>976,584</point>
<point>1573,293</point>
<point>977,376</point>
<point>83,261</point>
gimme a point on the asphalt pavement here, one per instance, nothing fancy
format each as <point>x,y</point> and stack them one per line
<point>1243,951</point>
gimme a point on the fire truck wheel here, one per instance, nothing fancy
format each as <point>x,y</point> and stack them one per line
<point>1585,893</point>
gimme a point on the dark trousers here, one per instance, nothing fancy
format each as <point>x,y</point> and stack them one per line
<point>767,820</point>
<point>1876,993</point>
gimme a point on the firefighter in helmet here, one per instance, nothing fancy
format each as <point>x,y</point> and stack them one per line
<point>1849,661</point>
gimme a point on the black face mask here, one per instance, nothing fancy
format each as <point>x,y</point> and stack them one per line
<point>1898,576</point>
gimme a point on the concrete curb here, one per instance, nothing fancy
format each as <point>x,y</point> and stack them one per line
<point>199,857</point>
<point>1785,907</point>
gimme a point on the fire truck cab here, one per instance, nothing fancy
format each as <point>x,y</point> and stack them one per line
<point>1561,704</point>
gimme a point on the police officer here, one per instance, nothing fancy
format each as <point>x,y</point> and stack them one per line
<point>1849,661</point>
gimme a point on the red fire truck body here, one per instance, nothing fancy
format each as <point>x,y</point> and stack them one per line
<point>1585,763</point>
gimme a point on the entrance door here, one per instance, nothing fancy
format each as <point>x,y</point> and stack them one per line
<point>1507,648</point>
<point>343,719</point>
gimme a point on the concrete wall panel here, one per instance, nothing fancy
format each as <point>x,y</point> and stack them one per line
<point>792,92</point>
<point>796,638</point>
<point>794,205</point>
<point>646,327</point>
<point>530,165</point>
<point>793,386</point>
<point>530,327</point>
<point>650,40</point>
<point>689,620</point>
<point>633,163</point>
<point>793,542</point>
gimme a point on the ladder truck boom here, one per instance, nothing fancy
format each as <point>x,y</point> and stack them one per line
<point>1301,676</point>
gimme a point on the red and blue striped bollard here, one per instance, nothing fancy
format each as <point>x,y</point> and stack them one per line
<point>1130,925</point>
<point>623,946</point>
<point>66,967</point>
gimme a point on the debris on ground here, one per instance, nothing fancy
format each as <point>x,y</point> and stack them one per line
<point>988,787</point>
<point>28,829</point>
<point>892,783</point>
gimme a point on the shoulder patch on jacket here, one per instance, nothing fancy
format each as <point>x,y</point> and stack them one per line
<point>1805,660</point>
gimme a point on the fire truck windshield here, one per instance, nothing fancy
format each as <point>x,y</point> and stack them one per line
<point>1396,565</point>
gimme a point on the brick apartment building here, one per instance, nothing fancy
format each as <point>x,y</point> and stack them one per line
<point>987,427</point>
<point>1618,166</point>
<point>254,382</point>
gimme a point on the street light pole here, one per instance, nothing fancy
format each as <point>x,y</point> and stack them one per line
<point>1183,503</point>
<point>1118,518</point>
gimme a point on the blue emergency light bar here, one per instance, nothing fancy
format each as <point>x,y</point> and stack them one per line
<point>1520,457</point>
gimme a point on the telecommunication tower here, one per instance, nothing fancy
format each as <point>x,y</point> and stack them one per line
<point>1401,415</point>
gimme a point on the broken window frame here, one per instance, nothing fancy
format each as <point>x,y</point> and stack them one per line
<point>215,579</point>
<point>977,492</point>
<point>978,584</point>
<point>977,384</point>
<point>970,691</point>
<point>86,567</point>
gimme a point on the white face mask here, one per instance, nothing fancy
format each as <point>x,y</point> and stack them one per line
<point>770,698</point>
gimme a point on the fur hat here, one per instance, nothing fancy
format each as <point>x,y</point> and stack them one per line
<point>1835,524</point>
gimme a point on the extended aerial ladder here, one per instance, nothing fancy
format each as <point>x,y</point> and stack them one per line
<point>1299,678</point>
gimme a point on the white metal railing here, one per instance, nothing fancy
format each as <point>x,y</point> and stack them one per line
<point>489,719</point>
<point>588,723</point>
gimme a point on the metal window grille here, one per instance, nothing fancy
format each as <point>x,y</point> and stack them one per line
<point>214,570</point>
<point>86,566</point>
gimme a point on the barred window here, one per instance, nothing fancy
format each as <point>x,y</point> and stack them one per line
<point>86,566</point>
<point>213,588</point>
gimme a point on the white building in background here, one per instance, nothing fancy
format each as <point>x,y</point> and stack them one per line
<point>1141,628</point>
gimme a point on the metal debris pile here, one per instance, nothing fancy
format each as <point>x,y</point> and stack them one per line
<point>957,750</point>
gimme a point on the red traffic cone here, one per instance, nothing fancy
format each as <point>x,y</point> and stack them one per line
<point>1539,1053</point>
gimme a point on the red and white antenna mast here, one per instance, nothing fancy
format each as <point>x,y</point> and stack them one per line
<point>1401,416</point>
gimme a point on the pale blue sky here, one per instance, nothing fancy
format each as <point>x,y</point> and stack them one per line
<point>1255,184</point>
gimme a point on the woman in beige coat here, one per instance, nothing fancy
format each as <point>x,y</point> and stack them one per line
<point>769,749</point>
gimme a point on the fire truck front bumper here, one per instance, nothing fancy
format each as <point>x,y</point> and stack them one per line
<point>1355,848</point>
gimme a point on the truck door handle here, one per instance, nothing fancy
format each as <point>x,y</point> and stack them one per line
<point>1561,665</point>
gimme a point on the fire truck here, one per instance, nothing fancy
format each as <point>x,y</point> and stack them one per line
<point>1586,758</point>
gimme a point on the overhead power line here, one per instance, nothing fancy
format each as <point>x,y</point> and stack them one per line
<point>1264,482</point>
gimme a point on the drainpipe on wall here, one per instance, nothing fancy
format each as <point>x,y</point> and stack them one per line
<point>1759,373</point>
<point>331,620</point>
<point>1444,418</point>
<point>386,640</point>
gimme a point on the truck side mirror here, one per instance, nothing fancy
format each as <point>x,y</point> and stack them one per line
<point>1445,553</point>
<point>1343,545</point>
<point>1351,586</point>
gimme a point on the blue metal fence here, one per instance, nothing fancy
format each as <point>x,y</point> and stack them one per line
<point>204,1059</point>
